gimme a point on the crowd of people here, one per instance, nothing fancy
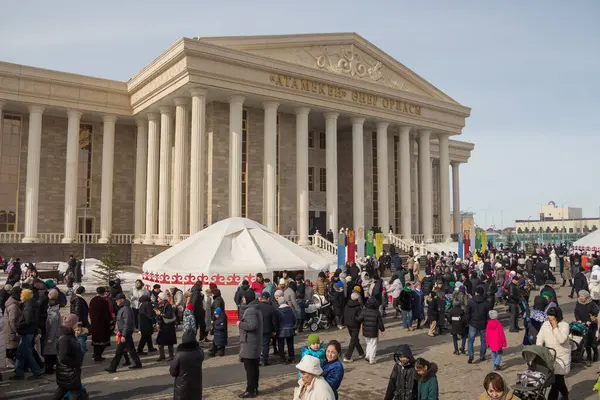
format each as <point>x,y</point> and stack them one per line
<point>439,293</point>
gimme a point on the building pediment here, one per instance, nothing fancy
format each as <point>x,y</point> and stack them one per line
<point>346,54</point>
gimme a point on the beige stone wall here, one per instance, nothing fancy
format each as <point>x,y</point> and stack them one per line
<point>256,151</point>
<point>345,179</point>
<point>52,176</point>
<point>287,173</point>
<point>217,127</point>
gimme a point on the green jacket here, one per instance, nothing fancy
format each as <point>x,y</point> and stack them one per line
<point>428,385</point>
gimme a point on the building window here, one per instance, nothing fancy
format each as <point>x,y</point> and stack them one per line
<point>396,189</point>
<point>323,179</point>
<point>311,178</point>
<point>570,230</point>
<point>10,150</point>
<point>84,169</point>
<point>375,188</point>
<point>85,225</point>
<point>311,139</point>
<point>244,163</point>
<point>322,141</point>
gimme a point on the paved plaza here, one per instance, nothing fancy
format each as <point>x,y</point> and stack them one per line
<point>224,377</point>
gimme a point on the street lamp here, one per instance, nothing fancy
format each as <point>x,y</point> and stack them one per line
<point>85,207</point>
<point>562,214</point>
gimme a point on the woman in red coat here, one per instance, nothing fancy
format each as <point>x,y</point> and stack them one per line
<point>100,319</point>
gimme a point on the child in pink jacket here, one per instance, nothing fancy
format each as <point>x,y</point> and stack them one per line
<point>495,339</point>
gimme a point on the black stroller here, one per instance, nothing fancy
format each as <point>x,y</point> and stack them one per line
<point>533,383</point>
<point>577,333</point>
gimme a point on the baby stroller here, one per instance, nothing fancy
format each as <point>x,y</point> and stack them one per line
<point>317,314</point>
<point>533,383</point>
<point>577,333</point>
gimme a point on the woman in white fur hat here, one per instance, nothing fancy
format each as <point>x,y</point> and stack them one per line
<point>312,386</point>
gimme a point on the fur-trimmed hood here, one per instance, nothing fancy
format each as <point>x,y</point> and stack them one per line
<point>431,372</point>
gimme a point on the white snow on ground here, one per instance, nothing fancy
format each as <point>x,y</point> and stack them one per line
<point>445,247</point>
<point>90,281</point>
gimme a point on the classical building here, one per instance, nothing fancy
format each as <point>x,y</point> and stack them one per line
<point>298,132</point>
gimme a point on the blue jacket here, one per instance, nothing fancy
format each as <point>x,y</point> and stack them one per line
<point>333,373</point>
<point>418,309</point>
<point>220,330</point>
<point>320,354</point>
<point>287,322</point>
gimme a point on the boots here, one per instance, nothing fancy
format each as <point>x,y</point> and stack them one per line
<point>170,352</point>
<point>161,353</point>
<point>595,356</point>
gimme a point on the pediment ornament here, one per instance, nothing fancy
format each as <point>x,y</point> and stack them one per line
<point>347,60</point>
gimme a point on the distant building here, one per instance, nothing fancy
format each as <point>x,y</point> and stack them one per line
<point>550,211</point>
<point>558,220</point>
<point>467,221</point>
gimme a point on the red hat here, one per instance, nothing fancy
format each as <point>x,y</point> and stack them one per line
<point>190,307</point>
<point>212,286</point>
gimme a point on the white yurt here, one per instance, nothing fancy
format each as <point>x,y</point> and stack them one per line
<point>590,242</point>
<point>226,253</point>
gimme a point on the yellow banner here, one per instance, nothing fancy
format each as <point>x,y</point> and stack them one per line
<point>378,244</point>
<point>483,242</point>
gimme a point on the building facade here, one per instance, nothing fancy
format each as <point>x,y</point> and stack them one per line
<point>299,132</point>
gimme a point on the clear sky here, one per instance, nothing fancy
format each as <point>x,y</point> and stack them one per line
<point>530,71</point>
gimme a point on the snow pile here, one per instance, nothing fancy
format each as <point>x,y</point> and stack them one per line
<point>89,279</point>
<point>445,247</point>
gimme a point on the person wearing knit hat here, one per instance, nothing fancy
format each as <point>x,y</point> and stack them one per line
<point>68,375</point>
<point>314,348</point>
<point>495,339</point>
<point>219,331</point>
<point>69,321</point>
<point>27,327</point>
<point>49,283</point>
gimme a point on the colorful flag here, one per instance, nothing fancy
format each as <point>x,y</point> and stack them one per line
<point>466,242</point>
<point>360,242</point>
<point>477,239</point>
<point>379,243</point>
<point>370,243</point>
<point>351,246</point>
<point>461,253</point>
<point>341,250</point>
<point>483,241</point>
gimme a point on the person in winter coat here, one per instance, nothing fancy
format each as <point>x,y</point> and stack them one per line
<point>514,303</point>
<point>270,322</point>
<point>286,321</point>
<point>250,327</point>
<point>554,334</point>
<point>394,287</point>
<point>178,302</point>
<point>496,388</point>
<point>433,312</point>
<point>137,291</point>
<point>219,331</point>
<point>372,324</point>
<point>406,306</point>
<point>594,284</point>
<point>460,297</point>
<point>351,313</point>
<point>567,277</point>
<point>428,384</point>
<point>80,307</point>
<point>586,312</point>
<point>125,327</point>
<point>312,386</point>
<point>147,320</point>
<point>2,344</point>
<point>404,381</point>
<point>53,332</point>
<point>314,347</point>
<point>100,320</point>
<point>418,310</point>
<point>4,295</point>
<point>26,329</point>
<point>186,368</point>
<point>167,335</point>
<point>322,285</point>
<point>428,284</point>
<point>477,317</point>
<point>12,314</point>
<point>217,301</point>
<point>495,339</point>
<point>338,300</point>
<point>537,316</point>
<point>580,283</point>
<point>237,297</point>
<point>458,322</point>
<point>189,321</point>
<point>333,369</point>
<point>69,361</point>
<point>197,299</point>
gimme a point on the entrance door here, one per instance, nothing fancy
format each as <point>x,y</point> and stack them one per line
<point>316,220</point>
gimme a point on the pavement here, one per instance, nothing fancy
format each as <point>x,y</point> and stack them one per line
<point>224,377</point>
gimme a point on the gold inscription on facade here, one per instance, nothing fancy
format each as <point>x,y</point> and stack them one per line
<point>306,85</point>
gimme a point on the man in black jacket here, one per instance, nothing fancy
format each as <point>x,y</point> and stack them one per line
<point>125,327</point>
<point>68,362</point>
<point>26,329</point>
<point>351,313</point>
<point>514,300</point>
<point>269,323</point>
<point>197,300</point>
<point>477,317</point>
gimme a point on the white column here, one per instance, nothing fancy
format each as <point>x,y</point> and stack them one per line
<point>152,177</point>
<point>444,186</point>
<point>179,196</point>
<point>302,173</point>
<point>270,165</point>
<point>164,180</point>
<point>236,104</point>
<point>358,174</point>
<point>198,160</point>
<point>426,187</point>
<point>108,160</point>
<point>70,230</point>
<point>141,165</point>
<point>404,156</point>
<point>331,172</point>
<point>32,185</point>
<point>456,198</point>
<point>415,178</point>
<point>382,176</point>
